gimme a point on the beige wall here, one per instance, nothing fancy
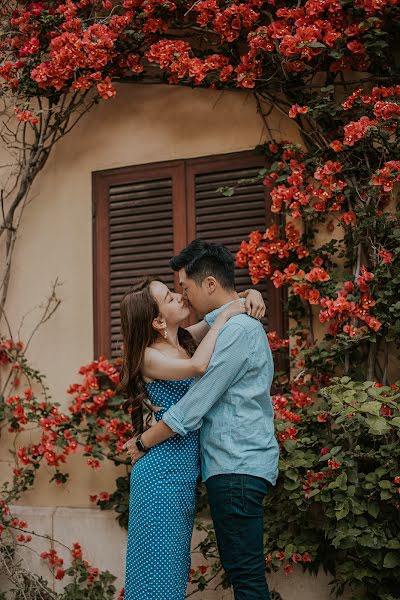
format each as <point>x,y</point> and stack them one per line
<point>143,124</point>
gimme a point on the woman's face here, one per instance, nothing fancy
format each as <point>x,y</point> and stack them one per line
<point>172,306</point>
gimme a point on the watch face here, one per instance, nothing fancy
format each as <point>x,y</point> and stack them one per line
<point>139,445</point>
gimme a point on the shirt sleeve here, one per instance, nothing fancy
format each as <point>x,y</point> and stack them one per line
<point>227,364</point>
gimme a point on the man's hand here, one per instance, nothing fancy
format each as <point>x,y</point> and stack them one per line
<point>134,453</point>
<point>254,304</point>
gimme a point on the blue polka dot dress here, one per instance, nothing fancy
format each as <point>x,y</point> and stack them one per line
<point>162,507</point>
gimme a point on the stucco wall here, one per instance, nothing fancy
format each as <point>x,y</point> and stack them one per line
<point>143,124</point>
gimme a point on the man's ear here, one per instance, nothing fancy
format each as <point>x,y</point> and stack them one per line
<point>211,284</point>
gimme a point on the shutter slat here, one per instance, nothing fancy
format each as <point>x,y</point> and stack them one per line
<point>141,241</point>
<point>228,220</point>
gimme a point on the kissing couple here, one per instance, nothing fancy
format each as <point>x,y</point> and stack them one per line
<point>208,388</point>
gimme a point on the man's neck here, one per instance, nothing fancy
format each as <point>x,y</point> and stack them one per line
<point>223,298</point>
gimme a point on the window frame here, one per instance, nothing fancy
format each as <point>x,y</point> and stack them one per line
<point>182,173</point>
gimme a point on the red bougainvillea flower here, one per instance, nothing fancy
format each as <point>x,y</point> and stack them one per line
<point>76,551</point>
<point>336,145</point>
<point>322,417</point>
<point>357,130</point>
<point>94,463</point>
<point>297,110</point>
<point>385,256</point>
<point>348,217</point>
<point>203,569</point>
<point>289,433</point>
<point>288,568</point>
<point>317,275</point>
<point>60,573</point>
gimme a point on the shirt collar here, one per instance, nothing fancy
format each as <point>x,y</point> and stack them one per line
<point>211,316</point>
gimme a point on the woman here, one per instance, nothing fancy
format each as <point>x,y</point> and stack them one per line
<point>160,362</point>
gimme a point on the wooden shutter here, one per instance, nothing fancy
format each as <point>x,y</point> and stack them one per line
<point>229,219</point>
<point>135,210</point>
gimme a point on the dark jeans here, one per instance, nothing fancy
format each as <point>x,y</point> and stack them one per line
<point>236,503</point>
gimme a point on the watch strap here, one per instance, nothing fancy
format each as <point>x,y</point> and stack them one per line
<point>139,444</point>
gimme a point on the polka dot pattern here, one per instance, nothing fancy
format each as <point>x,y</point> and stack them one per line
<point>162,507</point>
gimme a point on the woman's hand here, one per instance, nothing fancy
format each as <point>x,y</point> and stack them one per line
<point>234,308</point>
<point>131,449</point>
<point>254,303</point>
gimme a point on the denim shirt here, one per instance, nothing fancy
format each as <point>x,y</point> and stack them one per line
<point>231,403</point>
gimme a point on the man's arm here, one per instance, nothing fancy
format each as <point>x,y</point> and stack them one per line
<point>228,362</point>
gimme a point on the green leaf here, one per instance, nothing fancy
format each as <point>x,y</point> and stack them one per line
<point>377,425</point>
<point>391,560</point>
<point>395,422</point>
<point>291,485</point>
<point>385,484</point>
<point>377,392</point>
<point>290,445</point>
<point>292,474</point>
<point>342,481</point>
<point>385,495</point>
<point>315,45</point>
<point>342,513</point>
<point>373,509</point>
<point>371,408</point>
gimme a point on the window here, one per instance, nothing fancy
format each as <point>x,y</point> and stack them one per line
<point>144,214</point>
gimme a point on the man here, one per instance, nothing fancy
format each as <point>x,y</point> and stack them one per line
<point>232,405</point>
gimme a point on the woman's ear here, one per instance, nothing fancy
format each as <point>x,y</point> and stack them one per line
<point>159,324</point>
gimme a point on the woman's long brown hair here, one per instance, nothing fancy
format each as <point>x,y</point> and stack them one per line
<point>138,310</point>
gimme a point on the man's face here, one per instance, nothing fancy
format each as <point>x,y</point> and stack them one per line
<point>198,296</point>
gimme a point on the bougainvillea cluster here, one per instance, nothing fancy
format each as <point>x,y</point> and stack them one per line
<point>333,245</point>
<point>343,195</point>
<point>81,44</point>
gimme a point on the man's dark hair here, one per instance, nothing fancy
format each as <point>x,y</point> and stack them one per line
<point>201,259</point>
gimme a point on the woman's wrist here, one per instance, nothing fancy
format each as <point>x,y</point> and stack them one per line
<point>143,439</point>
<point>219,322</point>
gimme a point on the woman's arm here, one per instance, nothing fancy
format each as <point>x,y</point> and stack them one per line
<point>254,305</point>
<point>198,331</point>
<point>157,365</point>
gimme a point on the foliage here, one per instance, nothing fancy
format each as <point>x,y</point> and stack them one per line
<point>339,492</point>
<point>336,500</point>
<point>29,408</point>
<point>85,581</point>
<point>333,244</point>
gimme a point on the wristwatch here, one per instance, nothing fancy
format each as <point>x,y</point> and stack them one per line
<point>139,444</point>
